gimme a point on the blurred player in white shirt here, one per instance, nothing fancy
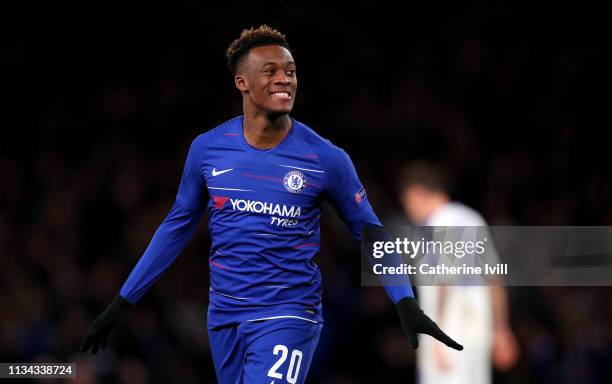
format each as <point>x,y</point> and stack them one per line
<point>478,313</point>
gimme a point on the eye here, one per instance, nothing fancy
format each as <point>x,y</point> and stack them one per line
<point>291,72</point>
<point>269,71</point>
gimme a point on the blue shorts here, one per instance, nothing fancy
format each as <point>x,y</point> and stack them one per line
<point>264,351</point>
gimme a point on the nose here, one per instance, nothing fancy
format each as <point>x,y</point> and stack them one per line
<point>282,79</point>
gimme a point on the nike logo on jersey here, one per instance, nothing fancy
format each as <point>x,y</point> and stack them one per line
<point>217,173</point>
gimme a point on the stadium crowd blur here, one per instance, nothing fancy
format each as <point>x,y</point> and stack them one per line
<point>102,108</point>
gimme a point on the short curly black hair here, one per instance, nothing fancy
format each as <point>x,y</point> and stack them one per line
<point>251,38</point>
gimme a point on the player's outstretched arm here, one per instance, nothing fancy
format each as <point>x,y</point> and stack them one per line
<point>414,321</point>
<point>348,196</point>
<point>165,246</point>
<point>100,329</point>
<point>398,287</point>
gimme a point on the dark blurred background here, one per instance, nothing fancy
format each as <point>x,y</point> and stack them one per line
<point>101,101</point>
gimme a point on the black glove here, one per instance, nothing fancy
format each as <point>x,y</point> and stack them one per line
<point>115,313</point>
<point>415,321</point>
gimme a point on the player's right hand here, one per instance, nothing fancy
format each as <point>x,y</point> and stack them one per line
<point>414,321</point>
<point>100,329</point>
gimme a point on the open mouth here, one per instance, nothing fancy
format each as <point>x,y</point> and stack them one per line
<point>282,94</point>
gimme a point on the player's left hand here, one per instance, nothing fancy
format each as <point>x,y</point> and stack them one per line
<point>415,321</point>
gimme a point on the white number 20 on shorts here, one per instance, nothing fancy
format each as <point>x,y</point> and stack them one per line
<point>294,363</point>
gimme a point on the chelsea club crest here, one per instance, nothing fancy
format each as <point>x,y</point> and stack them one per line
<point>295,181</point>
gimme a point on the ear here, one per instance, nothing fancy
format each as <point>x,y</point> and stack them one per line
<point>241,83</point>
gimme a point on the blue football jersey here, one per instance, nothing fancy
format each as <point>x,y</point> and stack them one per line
<point>264,207</point>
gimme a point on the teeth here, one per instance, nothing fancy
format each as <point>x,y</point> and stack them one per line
<point>286,94</point>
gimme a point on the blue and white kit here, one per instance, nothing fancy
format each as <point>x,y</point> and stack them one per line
<point>264,314</point>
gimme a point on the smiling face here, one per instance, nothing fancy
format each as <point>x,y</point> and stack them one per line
<point>267,79</point>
